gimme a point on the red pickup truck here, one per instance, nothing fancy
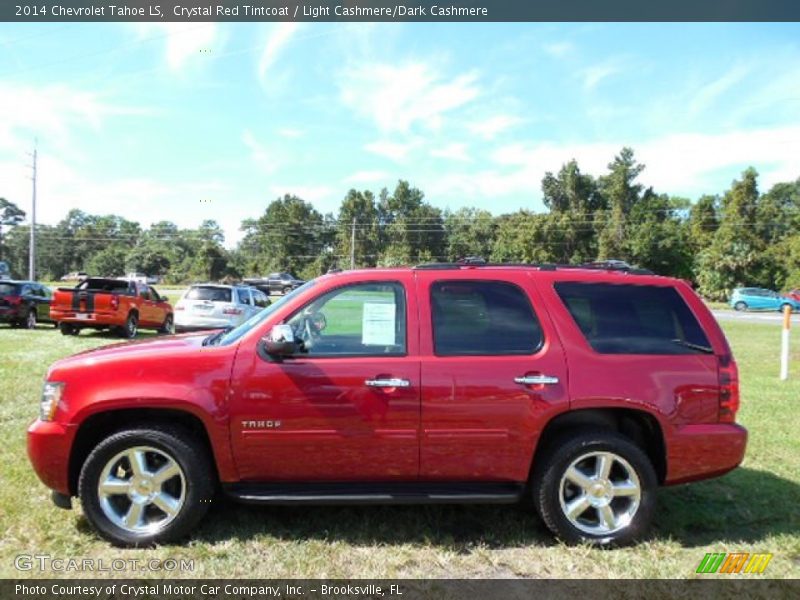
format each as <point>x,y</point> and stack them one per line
<point>582,390</point>
<point>102,303</point>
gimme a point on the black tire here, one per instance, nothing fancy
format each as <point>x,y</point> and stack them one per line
<point>740,306</point>
<point>783,307</point>
<point>68,329</point>
<point>168,326</point>
<point>131,327</point>
<point>30,320</point>
<point>193,460</point>
<point>286,290</point>
<point>552,467</point>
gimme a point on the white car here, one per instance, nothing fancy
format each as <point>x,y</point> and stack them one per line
<point>215,306</point>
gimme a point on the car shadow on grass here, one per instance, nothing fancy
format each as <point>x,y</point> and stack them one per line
<point>746,505</point>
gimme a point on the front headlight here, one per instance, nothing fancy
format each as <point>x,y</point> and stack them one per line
<point>51,395</point>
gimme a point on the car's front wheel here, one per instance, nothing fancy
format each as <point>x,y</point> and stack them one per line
<point>595,486</point>
<point>786,305</point>
<point>146,485</point>
<point>740,306</point>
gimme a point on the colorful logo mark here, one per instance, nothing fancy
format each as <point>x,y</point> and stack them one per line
<point>734,562</point>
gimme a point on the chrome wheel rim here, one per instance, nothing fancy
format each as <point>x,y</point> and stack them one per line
<point>142,489</point>
<point>132,326</point>
<point>600,493</point>
<point>31,320</point>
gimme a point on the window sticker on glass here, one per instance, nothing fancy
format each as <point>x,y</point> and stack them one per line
<point>378,325</point>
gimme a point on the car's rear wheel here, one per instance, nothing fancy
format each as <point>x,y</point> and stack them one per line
<point>147,485</point>
<point>786,305</point>
<point>30,320</point>
<point>168,327</point>
<point>286,290</point>
<point>740,306</point>
<point>595,486</point>
<point>68,329</point>
<point>131,327</point>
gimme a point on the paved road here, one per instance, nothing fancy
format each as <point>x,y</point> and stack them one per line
<point>754,317</point>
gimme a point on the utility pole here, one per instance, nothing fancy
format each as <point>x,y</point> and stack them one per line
<point>353,245</point>
<point>32,250</point>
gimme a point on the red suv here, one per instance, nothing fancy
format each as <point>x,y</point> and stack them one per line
<point>581,389</point>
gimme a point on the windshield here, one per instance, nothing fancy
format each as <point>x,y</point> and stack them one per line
<point>234,334</point>
<point>212,293</point>
<point>9,289</point>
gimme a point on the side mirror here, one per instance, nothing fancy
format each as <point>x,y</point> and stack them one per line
<point>280,341</point>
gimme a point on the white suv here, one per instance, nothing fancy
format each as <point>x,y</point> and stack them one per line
<point>215,306</point>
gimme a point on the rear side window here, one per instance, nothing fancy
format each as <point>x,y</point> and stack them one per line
<point>9,289</point>
<point>214,294</point>
<point>482,318</point>
<point>243,295</point>
<point>633,319</point>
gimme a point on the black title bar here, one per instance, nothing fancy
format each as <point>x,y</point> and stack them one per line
<point>394,11</point>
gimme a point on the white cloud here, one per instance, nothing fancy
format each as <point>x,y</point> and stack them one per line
<point>50,112</point>
<point>183,41</point>
<point>684,163</point>
<point>493,126</point>
<point>397,97</point>
<point>259,153</point>
<point>366,177</point>
<point>453,151</point>
<point>280,35</point>
<point>291,132</point>
<point>593,76</point>
<point>710,92</point>
<point>396,151</point>
<point>558,49</point>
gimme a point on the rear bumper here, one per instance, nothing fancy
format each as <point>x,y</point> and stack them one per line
<point>49,445</point>
<point>95,319</point>
<point>197,323</point>
<point>704,451</point>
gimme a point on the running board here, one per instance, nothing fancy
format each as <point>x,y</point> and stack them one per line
<point>374,493</point>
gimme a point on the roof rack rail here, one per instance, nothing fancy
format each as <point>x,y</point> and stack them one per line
<point>617,266</point>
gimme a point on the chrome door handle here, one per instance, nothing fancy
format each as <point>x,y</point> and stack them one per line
<point>387,383</point>
<point>536,380</point>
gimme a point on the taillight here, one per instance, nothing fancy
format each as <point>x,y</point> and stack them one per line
<point>232,311</point>
<point>114,302</point>
<point>728,389</point>
<point>13,300</point>
<point>179,307</point>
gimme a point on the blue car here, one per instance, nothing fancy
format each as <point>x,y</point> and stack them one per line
<point>760,299</point>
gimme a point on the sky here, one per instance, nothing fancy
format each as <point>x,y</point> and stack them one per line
<point>193,121</point>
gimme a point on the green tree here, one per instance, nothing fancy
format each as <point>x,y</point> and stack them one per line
<point>736,256</point>
<point>289,236</point>
<point>469,232</point>
<point>358,210</point>
<point>11,215</point>
<point>621,193</point>
<point>574,202</point>
<point>411,230</point>
<point>703,223</point>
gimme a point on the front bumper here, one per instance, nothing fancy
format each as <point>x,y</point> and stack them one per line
<point>9,314</point>
<point>704,451</point>
<point>49,446</point>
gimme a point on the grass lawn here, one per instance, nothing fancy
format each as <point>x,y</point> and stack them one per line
<point>754,509</point>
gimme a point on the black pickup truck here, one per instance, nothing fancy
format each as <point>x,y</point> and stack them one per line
<point>275,283</point>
